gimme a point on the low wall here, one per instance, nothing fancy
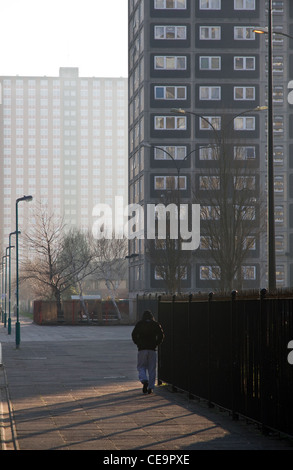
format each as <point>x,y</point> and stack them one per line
<point>100,312</point>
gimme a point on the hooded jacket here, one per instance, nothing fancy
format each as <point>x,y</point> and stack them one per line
<point>147,333</point>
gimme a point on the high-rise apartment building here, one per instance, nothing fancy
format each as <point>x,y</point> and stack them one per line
<point>64,140</point>
<point>203,57</point>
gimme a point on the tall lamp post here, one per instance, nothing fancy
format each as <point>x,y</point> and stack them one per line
<point>2,290</point>
<point>4,257</point>
<point>9,295</point>
<point>271,202</point>
<point>7,256</point>
<point>17,325</point>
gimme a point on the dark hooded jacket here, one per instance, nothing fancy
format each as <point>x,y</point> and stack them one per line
<point>147,333</point>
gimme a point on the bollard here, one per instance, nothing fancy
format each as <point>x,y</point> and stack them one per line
<point>1,355</point>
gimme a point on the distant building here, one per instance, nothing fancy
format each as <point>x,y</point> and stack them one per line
<point>64,141</point>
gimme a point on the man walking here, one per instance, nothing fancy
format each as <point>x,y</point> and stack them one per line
<point>147,335</point>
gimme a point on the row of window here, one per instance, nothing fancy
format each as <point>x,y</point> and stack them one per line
<point>179,123</point>
<point>171,62</point>
<point>213,183</point>
<point>208,273</point>
<point>205,33</point>
<point>203,4</point>
<point>205,93</point>
<point>213,63</point>
<point>170,182</point>
<point>174,152</point>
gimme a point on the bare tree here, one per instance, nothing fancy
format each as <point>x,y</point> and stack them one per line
<point>110,265</point>
<point>231,207</point>
<point>57,262</point>
<point>76,256</point>
<point>42,267</point>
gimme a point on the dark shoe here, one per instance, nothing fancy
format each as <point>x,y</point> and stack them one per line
<point>145,387</point>
<point>150,391</point>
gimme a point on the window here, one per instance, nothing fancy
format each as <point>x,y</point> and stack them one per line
<point>170,122</point>
<point>209,243</point>
<point>244,4</point>
<point>244,212</point>
<point>210,123</point>
<point>170,93</point>
<point>248,273</point>
<point>161,272</point>
<point>244,124</point>
<point>279,125</point>
<point>210,212</point>
<point>279,154</point>
<point>210,63</point>
<point>208,153</point>
<point>170,152</point>
<point>170,182</point>
<point>278,64</point>
<point>280,243</point>
<point>210,273</point>
<point>170,62</point>
<point>244,182</point>
<point>244,33</point>
<point>279,184</point>
<point>170,4</point>
<point>210,33</point>
<point>278,94</point>
<point>170,32</point>
<point>249,243</point>
<point>279,214</point>
<point>244,63</point>
<point>244,153</point>
<point>210,93</point>
<point>210,4</point>
<point>210,183</point>
<point>244,93</point>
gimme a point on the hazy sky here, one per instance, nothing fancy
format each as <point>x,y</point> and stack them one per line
<point>39,36</point>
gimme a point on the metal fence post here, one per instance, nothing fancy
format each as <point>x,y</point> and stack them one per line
<point>210,404</point>
<point>263,375</point>
<point>159,348</point>
<point>189,344</point>
<point>234,356</point>
<point>174,388</point>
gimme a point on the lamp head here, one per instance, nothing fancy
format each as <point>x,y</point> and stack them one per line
<point>177,110</point>
<point>25,198</point>
<point>260,30</point>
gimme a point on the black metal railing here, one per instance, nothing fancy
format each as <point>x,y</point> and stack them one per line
<point>233,352</point>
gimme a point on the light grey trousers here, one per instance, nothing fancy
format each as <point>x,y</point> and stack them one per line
<point>146,366</point>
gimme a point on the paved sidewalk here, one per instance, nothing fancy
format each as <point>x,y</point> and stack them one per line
<point>76,388</point>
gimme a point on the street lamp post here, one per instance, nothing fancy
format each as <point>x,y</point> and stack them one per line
<point>17,325</point>
<point>2,290</point>
<point>9,295</point>
<point>5,287</point>
<point>271,189</point>
<point>7,256</point>
<point>271,202</point>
